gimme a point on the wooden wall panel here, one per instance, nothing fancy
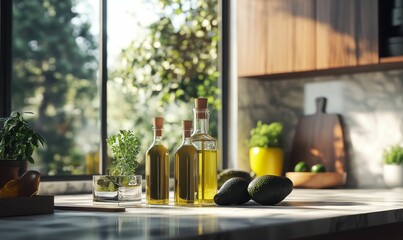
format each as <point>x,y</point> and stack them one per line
<point>335,33</point>
<point>367,30</point>
<point>251,37</point>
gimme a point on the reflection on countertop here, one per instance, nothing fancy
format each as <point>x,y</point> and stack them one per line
<point>304,213</point>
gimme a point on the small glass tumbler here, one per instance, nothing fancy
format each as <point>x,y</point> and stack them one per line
<point>108,188</point>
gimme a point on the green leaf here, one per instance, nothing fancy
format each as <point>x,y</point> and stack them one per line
<point>125,147</point>
<point>393,155</point>
<point>17,139</point>
<point>266,135</point>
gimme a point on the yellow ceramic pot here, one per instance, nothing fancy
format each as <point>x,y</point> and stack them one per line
<point>266,161</point>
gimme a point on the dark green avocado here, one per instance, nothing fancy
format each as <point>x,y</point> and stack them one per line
<point>230,173</point>
<point>269,189</point>
<point>233,192</point>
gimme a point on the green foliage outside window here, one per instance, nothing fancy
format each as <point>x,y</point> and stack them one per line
<point>54,75</point>
<point>178,59</point>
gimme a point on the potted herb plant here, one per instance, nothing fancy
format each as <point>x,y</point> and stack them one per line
<point>265,154</point>
<point>18,141</point>
<point>393,166</point>
<point>120,182</point>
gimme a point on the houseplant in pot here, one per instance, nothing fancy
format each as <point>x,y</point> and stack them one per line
<point>120,183</point>
<point>17,144</point>
<point>393,166</point>
<point>265,154</point>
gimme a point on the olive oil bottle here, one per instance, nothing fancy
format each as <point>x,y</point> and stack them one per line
<point>207,153</point>
<point>186,175</point>
<point>157,168</point>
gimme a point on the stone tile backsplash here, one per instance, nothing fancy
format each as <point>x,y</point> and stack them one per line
<point>371,105</point>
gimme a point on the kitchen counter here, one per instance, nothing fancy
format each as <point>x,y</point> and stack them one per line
<point>303,213</point>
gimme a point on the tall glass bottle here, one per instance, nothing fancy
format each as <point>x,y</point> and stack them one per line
<point>207,153</point>
<point>157,168</point>
<point>186,175</point>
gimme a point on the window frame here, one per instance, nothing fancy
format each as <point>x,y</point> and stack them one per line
<point>6,15</point>
<point>5,57</point>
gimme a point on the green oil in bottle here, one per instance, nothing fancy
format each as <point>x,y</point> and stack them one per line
<point>157,168</point>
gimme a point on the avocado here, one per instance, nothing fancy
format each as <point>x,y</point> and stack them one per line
<point>269,189</point>
<point>230,173</point>
<point>233,192</point>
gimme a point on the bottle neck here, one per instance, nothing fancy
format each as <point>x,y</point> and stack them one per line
<point>186,137</point>
<point>200,121</point>
<point>157,136</point>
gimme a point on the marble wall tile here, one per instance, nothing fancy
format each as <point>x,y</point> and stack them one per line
<point>371,105</point>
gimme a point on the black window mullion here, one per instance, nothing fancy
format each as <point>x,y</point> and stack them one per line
<point>5,57</point>
<point>224,79</point>
<point>103,74</point>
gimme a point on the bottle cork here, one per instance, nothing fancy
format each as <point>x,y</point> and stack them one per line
<point>201,103</point>
<point>158,123</point>
<point>187,127</point>
<point>201,108</point>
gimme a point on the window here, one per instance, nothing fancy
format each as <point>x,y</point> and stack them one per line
<point>161,54</point>
<point>166,56</point>
<point>54,60</point>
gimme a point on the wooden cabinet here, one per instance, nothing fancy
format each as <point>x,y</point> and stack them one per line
<point>285,36</point>
<point>251,37</point>
<point>335,34</point>
<point>346,33</point>
<point>367,32</point>
<point>275,36</point>
<point>290,36</point>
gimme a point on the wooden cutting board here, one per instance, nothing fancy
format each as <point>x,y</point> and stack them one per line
<point>320,138</point>
<point>24,206</point>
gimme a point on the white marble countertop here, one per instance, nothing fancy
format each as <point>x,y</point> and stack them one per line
<point>303,213</point>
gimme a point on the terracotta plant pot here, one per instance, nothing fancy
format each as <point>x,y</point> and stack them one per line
<point>11,169</point>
